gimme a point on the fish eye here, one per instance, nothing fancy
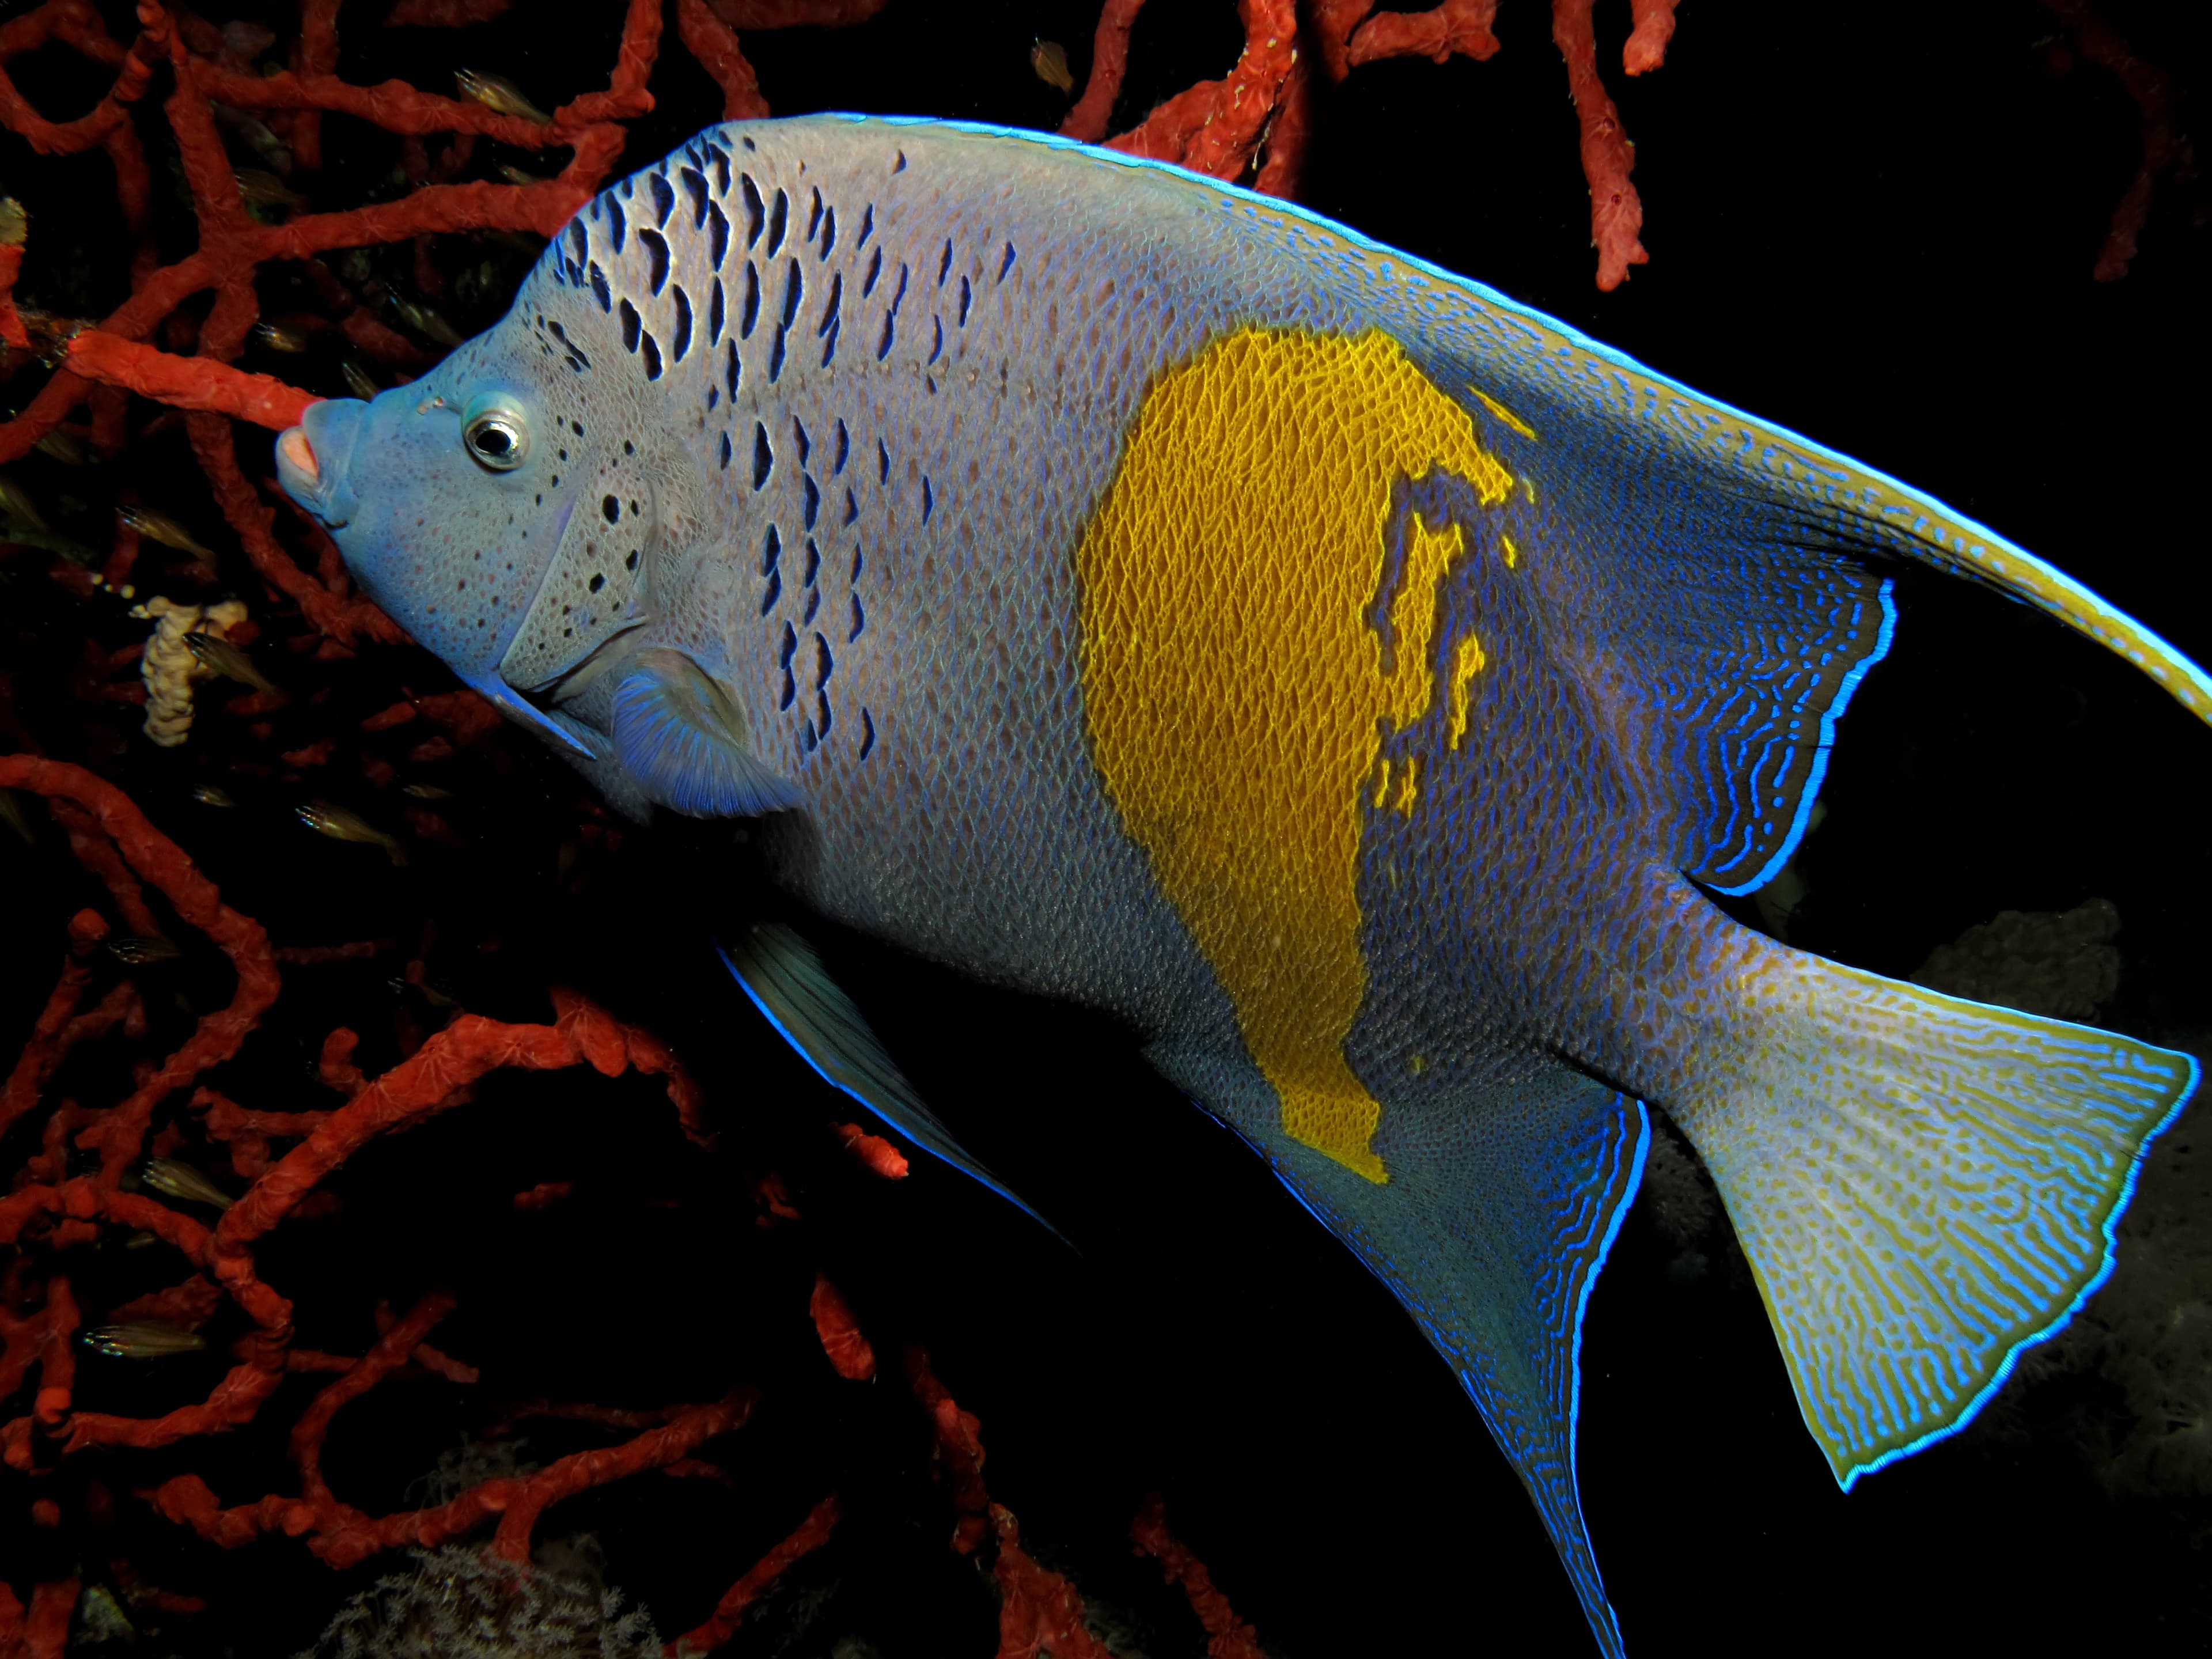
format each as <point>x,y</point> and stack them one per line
<point>496,431</point>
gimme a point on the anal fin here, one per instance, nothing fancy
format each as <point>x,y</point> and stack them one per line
<point>1497,1217</point>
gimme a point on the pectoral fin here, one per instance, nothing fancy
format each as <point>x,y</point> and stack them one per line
<point>810,1011</point>
<point>683,736</point>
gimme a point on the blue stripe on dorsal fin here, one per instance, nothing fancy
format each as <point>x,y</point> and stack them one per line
<point>1497,1217</point>
<point>1715,636</point>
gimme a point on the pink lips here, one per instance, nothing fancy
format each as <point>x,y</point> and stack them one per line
<point>294,447</point>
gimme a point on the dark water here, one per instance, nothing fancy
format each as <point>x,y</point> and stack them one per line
<point>1874,225</point>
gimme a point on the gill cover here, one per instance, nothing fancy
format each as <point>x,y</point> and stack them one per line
<point>636,510</point>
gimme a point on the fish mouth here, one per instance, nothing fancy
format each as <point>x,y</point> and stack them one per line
<point>311,459</point>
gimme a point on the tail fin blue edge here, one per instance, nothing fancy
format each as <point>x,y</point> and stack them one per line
<point>2104,1271</point>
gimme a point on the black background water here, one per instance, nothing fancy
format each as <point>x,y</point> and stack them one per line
<point>1873,224</point>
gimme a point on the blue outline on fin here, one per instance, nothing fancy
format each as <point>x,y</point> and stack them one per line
<point>1613,1224</point>
<point>519,708</point>
<point>1767,430</point>
<point>1829,717</point>
<point>1597,1266</point>
<point>973,1171</point>
<point>1582,1305</point>
<point>2003,1371</point>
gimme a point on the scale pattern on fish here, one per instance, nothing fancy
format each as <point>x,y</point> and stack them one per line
<point>1126,587</point>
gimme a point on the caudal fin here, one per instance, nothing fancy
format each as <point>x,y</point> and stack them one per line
<point>1925,1187</point>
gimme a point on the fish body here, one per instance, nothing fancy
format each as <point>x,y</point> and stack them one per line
<point>341,824</point>
<point>217,655</point>
<point>142,950</point>
<point>173,1179</point>
<point>12,815</point>
<point>260,189</point>
<point>1125,587</point>
<point>142,1339</point>
<point>358,380</point>
<point>286,338</point>
<point>1048,62</point>
<point>158,526</point>
<point>424,321</point>
<point>23,525</point>
<point>500,96</point>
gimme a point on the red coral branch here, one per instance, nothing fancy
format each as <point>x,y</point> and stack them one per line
<point>1616,212</point>
<point>2164,149</point>
<point>1461,27</point>
<point>849,1353</point>
<point>960,1450</point>
<point>1647,42</point>
<point>1215,126</point>
<point>1039,1611</point>
<point>714,44</point>
<point>1110,62</point>
<point>875,1152</point>
<point>1228,1636</point>
<point>158,861</point>
<point>809,1536</point>
<point>188,382</point>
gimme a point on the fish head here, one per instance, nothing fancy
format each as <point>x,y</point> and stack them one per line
<point>509,509</point>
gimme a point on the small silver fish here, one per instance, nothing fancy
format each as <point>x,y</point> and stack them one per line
<point>266,190</point>
<point>434,994</point>
<point>22,523</point>
<point>100,1617</point>
<point>142,1339</point>
<point>172,1179</point>
<point>265,144</point>
<point>12,815</point>
<point>426,792</point>
<point>160,527</point>
<point>1049,59</point>
<point>281,337</point>
<point>248,41</point>
<point>423,320</point>
<point>500,96</point>
<point>218,656</point>
<point>16,506</point>
<point>139,950</point>
<point>358,380</point>
<point>515,175</point>
<point>64,448</point>
<point>339,824</point>
<point>212,794</point>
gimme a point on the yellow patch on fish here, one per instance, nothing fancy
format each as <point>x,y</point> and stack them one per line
<point>1235,690</point>
<point>1503,413</point>
<point>1467,662</point>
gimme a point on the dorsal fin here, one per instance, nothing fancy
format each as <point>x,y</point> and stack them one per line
<point>1716,582</point>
